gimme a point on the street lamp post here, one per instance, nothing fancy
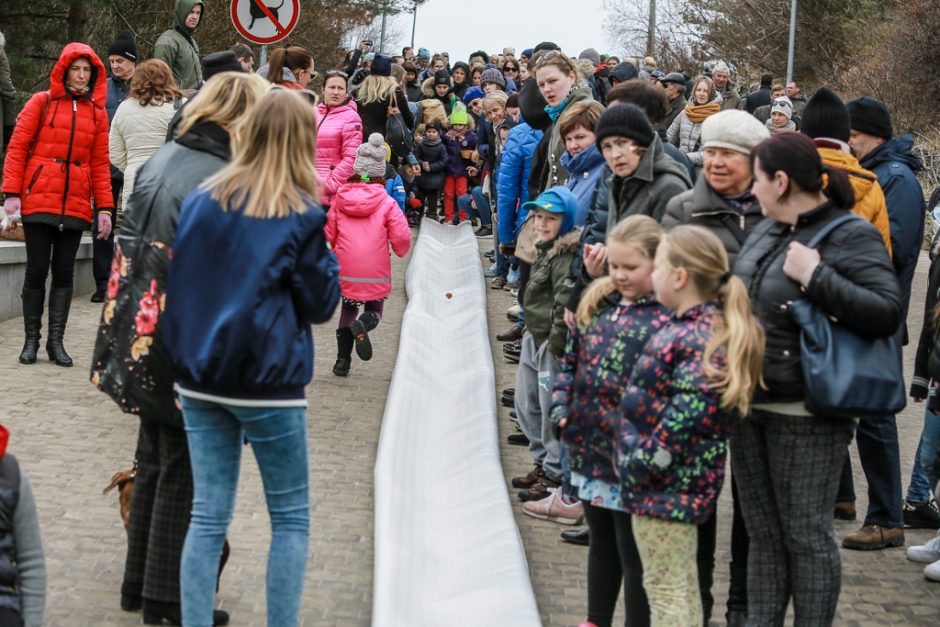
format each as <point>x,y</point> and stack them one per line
<point>414,23</point>
<point>792,42</point>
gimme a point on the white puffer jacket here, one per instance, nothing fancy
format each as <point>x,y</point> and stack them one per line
<point>686,135</point>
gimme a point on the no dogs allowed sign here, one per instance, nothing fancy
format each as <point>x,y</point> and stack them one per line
<point>265,21</point>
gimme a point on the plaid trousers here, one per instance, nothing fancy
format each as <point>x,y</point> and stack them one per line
<point>160,510</point>
<point>787,470</point>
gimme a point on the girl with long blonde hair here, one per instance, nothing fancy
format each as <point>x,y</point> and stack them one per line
<point>696,376</point>
<point>251,272</point>
<point>617,315</point>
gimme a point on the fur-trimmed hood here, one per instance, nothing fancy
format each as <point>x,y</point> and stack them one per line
<point>427,87</point>
<point>566,243</point>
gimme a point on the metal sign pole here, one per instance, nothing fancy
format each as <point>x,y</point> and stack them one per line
<point>792,42</point>
<point>264,55</point>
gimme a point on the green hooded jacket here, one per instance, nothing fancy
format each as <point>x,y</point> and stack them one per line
<point>177,48</point>
<point>547,291</point>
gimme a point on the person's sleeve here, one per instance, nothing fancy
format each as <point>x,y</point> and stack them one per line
<point>397,192</point>
<point>165,50</point>
<point>673,214</point>
<point>906,217</point>
<point>863,283</point>
<point>928,332</point>
<point>562,285</point>
<point>509,185</point>
<point>101,165</point>
<point>672,133</point>
<point>27,125</point>
<point>30,560</point>
<point>879,217</point>
<point>7,91</point>
<point>117,147</point>
<point>353,62</point>
<point>351,136</point>
<point>564,379</point>
<point>671,188</point>
<point>315,281</point>
<point>399,233</point>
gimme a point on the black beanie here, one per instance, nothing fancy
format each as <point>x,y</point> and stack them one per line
<point>217,62</point>
<point>442,77</point>
<point>624,120</point>
<point>532,105</point>
<point>825,115</point>
<point>381,65</point>
<point>870,116</point>
<point>546,45</point>
<point>124,45</point>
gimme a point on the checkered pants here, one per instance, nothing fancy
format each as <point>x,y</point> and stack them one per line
<point>787,471</point>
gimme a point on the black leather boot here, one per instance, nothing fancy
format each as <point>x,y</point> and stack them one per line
<point>33,301</point>
<point>737,597</point>
<point>60,301</point>
<point>344,346</point>
<point>360,330</point>
<point>156,612</point>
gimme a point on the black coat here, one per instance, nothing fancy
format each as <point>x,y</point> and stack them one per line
<point>855,283</point>
<point>436,156</point>
<point>129,363</point>
<point>374,115</point>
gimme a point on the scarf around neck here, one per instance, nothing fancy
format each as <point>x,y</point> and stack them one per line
<point>789,128</point>
<point>698,113</point>
<point>78,92</point>
<point>554,112</point>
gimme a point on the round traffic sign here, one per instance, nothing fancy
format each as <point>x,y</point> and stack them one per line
<point>265,21</point>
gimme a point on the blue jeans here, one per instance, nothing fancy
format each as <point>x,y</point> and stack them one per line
<point>482,210</point>
<point>278,437</point>
<point>920,489</point>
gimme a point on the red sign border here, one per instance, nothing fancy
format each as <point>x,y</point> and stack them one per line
<point>244,32</point>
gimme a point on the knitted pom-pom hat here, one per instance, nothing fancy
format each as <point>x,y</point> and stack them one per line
<point>370,158</point>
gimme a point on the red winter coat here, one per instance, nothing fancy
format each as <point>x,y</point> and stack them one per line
<point>362,222</point>
<point>339,135</point>
<point>69,164</point>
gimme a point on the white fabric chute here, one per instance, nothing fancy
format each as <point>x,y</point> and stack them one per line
<point>447,550</point>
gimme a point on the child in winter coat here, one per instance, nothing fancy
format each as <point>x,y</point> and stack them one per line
<point>25,563</point>
<point>543,343</point>
<point>695,377</point>
<point>460,141</point>
<point>432,154</point>
<point>616,317</point>
<point>362,222</point>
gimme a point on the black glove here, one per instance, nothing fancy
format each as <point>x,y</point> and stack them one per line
<point>7,134</point>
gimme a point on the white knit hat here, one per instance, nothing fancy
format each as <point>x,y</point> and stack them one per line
<point>733,129</point>
<point>782,105</point>
<point>370,158</point>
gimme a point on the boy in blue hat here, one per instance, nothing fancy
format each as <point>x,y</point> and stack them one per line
<point>543,343</point>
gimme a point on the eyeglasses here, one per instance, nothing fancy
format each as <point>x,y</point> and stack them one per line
<point>509,68</point>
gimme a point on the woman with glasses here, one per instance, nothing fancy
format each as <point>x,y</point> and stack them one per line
<point>339,134</point>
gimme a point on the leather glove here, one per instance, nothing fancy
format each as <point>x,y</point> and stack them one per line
<point>104,225</point>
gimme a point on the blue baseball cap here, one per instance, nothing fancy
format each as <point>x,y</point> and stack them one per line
<point>558,199</point>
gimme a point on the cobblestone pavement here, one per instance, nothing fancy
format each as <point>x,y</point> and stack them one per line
<point>71,439</point>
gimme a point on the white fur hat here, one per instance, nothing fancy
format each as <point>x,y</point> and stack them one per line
<point>733,129</point>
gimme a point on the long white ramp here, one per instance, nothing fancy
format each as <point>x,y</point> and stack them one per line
<point>447,550</point>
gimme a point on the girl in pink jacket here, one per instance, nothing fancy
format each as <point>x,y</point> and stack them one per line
<point>362,221</point>
<point>339,134</point>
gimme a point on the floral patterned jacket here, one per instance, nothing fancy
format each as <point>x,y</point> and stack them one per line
<point>129,362</point>
<point>592,377</point>
<point>673,432</point>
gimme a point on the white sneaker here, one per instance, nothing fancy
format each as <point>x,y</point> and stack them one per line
<point>926,553</point>
<point>932,571</point>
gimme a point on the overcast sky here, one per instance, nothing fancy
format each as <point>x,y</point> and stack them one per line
<point>459,27</point>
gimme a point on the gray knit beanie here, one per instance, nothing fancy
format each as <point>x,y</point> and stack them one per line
<point>493,75</point>
<point>370,158</point>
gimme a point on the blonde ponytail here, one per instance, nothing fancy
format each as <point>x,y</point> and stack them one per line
<point>737,333</point>
<point>593,298</point>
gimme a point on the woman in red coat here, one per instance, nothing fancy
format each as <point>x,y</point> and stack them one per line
<point>57,163</point>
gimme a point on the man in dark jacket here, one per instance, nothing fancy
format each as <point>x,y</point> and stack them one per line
<point>760,97</point>
<point>674,84</point>
<point>122,57</point>
<point>872,141</point>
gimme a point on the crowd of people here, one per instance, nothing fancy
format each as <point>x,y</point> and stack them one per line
<point>655,229</point>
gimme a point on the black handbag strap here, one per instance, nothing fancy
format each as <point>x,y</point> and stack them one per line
<point>829,228</point>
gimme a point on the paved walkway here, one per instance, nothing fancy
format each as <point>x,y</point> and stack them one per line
<point>71,439</point>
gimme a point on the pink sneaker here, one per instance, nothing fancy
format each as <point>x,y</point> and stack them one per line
<point>553,508</point>
<point>587,623</point>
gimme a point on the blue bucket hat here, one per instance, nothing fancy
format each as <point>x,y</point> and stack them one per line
<point>558,199</point>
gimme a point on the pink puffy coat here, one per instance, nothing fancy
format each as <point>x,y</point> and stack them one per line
<point>361,223</point>
<point>339,135</point>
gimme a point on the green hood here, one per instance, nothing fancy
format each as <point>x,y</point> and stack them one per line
<point>183,8</point>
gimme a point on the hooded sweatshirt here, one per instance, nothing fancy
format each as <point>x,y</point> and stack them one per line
<point>177,48</point>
